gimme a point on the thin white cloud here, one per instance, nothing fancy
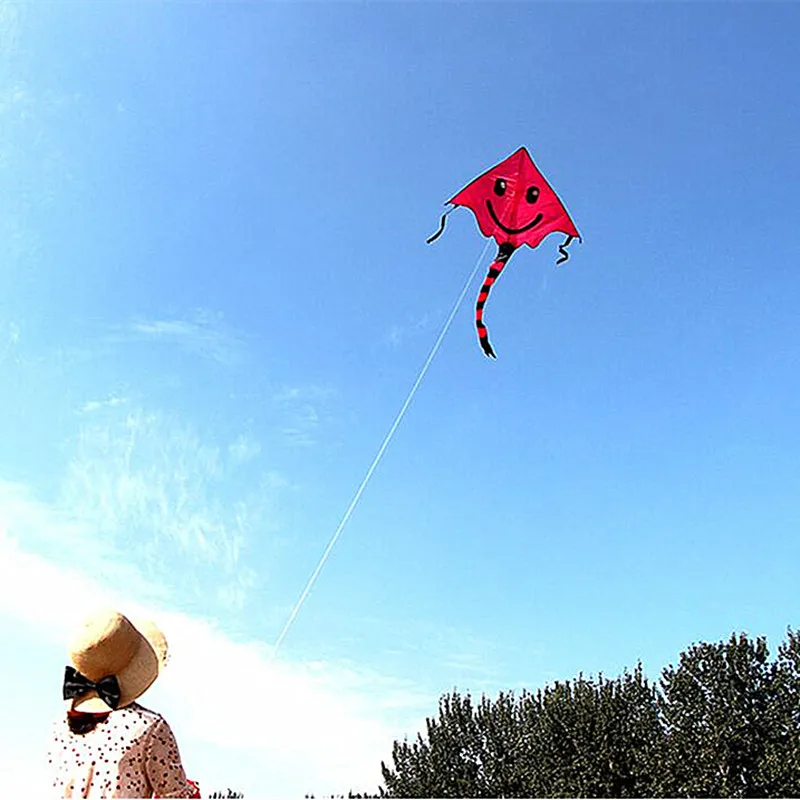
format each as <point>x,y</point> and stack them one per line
<point>303,409</point>
<point>303,427</point>
<point>30,154</point>
<point>20,137</point>
<point>9,341</point>
<point>244,449</point>
<point>303,394</point>
<point>41,527</point>
<point>400,333</point>
<point>159,493</point>
<point>97,405</point>
<point>9,28</point>
<point>204,333</point>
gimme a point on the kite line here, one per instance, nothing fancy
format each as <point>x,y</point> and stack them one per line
<point>381,450</point>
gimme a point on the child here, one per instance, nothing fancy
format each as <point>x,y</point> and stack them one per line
<point>106,744</point>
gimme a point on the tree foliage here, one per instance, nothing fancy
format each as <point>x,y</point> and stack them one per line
<point>724,722</point>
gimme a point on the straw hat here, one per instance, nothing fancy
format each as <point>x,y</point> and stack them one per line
<point>108,643</point>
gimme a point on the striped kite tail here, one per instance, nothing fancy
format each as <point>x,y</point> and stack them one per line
<point>503,254</point>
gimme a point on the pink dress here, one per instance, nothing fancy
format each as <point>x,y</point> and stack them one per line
<point>132,753</point>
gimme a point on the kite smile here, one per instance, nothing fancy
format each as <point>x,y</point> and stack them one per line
<point>533,223</point>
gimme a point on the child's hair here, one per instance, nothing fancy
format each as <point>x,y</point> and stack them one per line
<point>83,723</point>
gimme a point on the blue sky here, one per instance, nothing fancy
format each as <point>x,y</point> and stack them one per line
<point>215,294</point>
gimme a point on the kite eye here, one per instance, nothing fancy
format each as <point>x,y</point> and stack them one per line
<point>499,187</point>
<point>532,195</point>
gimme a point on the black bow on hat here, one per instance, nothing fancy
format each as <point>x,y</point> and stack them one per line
<point>76,685</point>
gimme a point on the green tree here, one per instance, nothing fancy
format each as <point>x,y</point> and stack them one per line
<point>717,708</point>
<point>724,723</point>
<point>581,739</point>
<point>443,765</point>
<point>592,738</point>
<point>779,770</point>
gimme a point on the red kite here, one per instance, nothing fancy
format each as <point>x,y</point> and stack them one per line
<point>513,203</point>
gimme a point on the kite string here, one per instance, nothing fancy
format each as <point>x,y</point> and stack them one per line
<point>381,450</point>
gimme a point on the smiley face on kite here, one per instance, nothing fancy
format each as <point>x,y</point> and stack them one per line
<point>531,196</point>
<point>514,204</point>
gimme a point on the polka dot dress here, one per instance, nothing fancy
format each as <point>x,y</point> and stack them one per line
<point>132,753</point>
